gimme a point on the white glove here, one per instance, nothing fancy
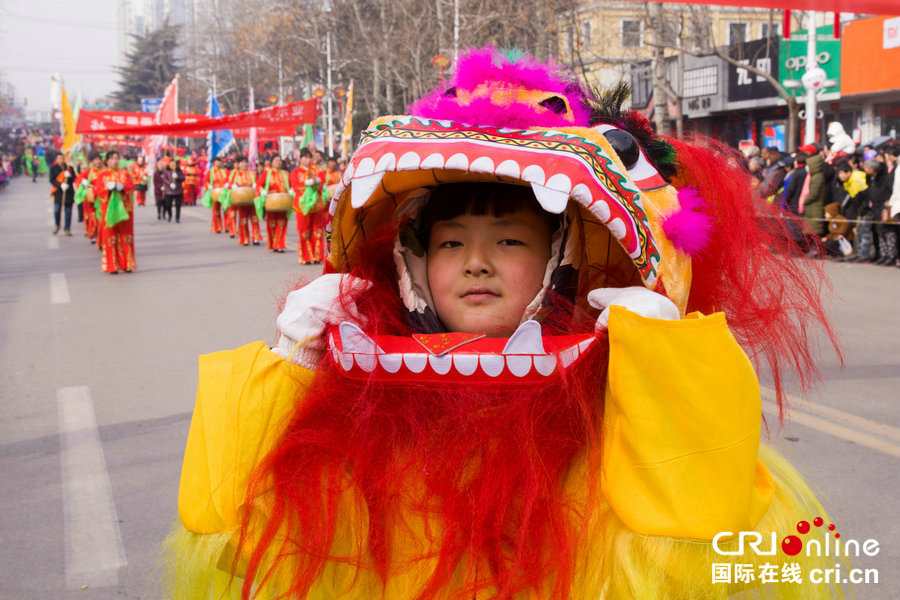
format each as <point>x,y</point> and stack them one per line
<point>172,185</point>
<point>293,192</point>
<point>68,174</point>
<point>309,311</point>
<point>227,186</point>
<point>637,299</point>
<point>84,183</point>
<point>120,186</point>
<point>64,186</point>
<point>309,181</point>
<point>110,185</point>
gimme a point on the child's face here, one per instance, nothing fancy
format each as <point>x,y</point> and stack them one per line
<point>484,270</point>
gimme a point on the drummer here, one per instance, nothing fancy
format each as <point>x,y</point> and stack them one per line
<point>247,221</point>
<point>274,180</point>
<point>215,178</point>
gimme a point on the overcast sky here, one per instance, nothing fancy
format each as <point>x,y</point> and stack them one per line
<point>75,37</point>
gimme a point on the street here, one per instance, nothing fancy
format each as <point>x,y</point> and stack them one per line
<point>99,374</point>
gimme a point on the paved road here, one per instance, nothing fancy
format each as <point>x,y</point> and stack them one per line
<point>99,374</point>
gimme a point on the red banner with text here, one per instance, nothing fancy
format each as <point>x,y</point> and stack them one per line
<point>270,122</point>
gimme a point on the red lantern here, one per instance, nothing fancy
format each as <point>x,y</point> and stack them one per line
<point>319,92</point>
<point>273,99</point>
<point>340,93</point>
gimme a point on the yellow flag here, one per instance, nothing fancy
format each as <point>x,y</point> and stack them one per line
<point>348,124</point>
<point>70,138</point>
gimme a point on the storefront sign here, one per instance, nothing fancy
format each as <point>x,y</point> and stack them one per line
<point>746,85</point>
<point>793,59</point>
<point>891,33</point>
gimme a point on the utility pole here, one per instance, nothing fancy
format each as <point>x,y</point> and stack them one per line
<point>812,65</point>
<point>280,81</point>
<point>329,95</point>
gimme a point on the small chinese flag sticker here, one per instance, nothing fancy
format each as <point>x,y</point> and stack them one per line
<point>442,343</point>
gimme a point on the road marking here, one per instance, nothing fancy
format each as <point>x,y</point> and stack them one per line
<point>837,415</point>
<point>94,549</point>
<point>52,243</point>
<point>59,289</point>
<point>863,439</point>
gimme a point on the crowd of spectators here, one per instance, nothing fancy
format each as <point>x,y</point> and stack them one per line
<point>848,197</point>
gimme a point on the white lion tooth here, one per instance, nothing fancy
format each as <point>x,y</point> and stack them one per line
<point>519,365</point>
<point>617,227</point>
<point>491,364</point>
<point>582,193</point>
<point>365,167</point>
<point>390,362</point>
<point>366,361</point>
<point>335,354</point>
<point>346,360</point>
<point>568,356</point>
<point>601,209</point>
<point>408,162</point>
<point>534,174</point>
<point>544,364</point>
<point>444,123</point>
<point>354,339</point>
<point>332,208</point>
<point>402,121</point>
<point>457,162</point>
<point>583,346</point>
<point>433,161</point>
<point>482,164</point>
<point>553,201</point>
<point>440,364</point>
<point>465,363</point>
<point>415,362</point>
<point>509,168</point>
<point>362,188</point>
<point>526,339</point>
<point>560,182</point>
<point>386,162</point>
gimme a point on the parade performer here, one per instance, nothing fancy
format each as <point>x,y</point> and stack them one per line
<point>114,187</point>
<point>310,210</point>
<point>215,179</point>
<point>247,219</point>
<point>526,372</point>
<point>274,180</point>
<point>62,190</point>
<point>84,196</point>
<point>140,180</point>
<point>191,180</point>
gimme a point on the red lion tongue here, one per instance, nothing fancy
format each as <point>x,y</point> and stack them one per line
<point>439,344</point>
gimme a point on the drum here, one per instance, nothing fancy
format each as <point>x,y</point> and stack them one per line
<point>839,225</point>
<point>215,193</point>
<point>279,203</point>
<point>242,196</point>
<point>90,196</point>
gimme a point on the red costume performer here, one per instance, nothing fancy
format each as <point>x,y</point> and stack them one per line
<point>85,181</point>
<point>216,177</point>
<point>191,181</point>
<point>114,188</point>
<point>311,220</point>
<point>139,179</point>
<point>247,221</point>
<point>274,180</point>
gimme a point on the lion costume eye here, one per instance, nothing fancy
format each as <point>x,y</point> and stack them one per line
<point>640,169</point>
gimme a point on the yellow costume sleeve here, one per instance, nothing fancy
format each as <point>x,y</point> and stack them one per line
<point>244,397</point>
<point>681,428</point>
